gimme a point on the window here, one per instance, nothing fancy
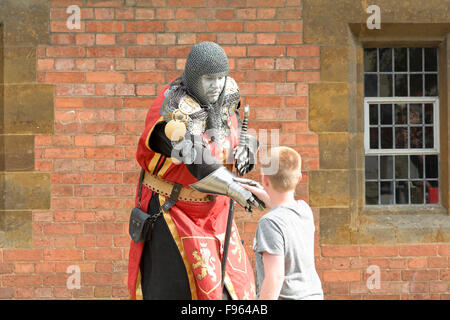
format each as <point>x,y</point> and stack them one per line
<point>401,129</point>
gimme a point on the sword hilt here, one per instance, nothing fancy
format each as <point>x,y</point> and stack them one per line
<point>243,136</point>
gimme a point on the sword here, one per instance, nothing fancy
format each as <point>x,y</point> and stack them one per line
<point>242,142</point>
<point>243,138</point>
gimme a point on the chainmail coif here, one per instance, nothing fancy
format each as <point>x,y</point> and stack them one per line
<point>204,58</point>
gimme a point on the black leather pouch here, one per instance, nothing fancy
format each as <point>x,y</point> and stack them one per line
<point>139,219</point>
<point>138,226</point>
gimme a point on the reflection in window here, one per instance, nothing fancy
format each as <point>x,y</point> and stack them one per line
<point>416,179</point>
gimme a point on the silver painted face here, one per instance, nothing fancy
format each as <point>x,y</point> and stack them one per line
<point>212,86</point>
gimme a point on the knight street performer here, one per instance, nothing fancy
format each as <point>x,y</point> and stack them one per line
<point>187,150</point>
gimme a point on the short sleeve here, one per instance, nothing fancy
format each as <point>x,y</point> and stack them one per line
<point>269,238</point>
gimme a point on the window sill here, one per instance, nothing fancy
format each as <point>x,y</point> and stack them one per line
<point>405,209</point>
<point>403,224</point>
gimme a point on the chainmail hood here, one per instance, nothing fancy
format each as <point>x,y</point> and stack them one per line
<point>204,58</point>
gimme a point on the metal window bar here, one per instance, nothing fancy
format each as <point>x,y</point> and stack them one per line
<point>423,70</point>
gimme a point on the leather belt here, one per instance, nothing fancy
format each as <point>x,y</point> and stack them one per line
<point>164,188</point>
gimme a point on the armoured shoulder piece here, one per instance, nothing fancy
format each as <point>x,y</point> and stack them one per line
<point>186,110</point>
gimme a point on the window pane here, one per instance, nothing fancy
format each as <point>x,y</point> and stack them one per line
<point>401,192</point>
<point>401,85</point>
<point>371,192</point>
<point>429,137</point>
<point>431,86</point>
<point>385,85</point>
<point>386,167</point>
<point>373,138</point>
<point>386,138</point>
<point>415,59</point>
<point>430,59</point>
<point>416,137</point>
<point>415,114</point>
<point>387,192</point>
<point>401,167</point>
<point>400,56</point>
<point>417,192</point>
<point>432,195</point>
<point>373,114</point>
<point>431,166</point>
<point>386,60</point>
<point>370,85</point>
<point>400,114</point>
<point>416,85</point>
<point>386,113</point>
<point>371,168</point>
<point>370,60</point>
<point>416,167</point>
<point>429,113</point>
<point>401,137</point>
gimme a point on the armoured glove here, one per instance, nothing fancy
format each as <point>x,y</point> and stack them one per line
<point>223,182</point>
<point>244,155</point>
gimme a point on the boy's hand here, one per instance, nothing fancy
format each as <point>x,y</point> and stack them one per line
<point>244,197</point>
<point>257,191</point>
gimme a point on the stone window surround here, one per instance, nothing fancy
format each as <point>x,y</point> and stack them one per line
<point>390,36</point>
<point>337,188</point>
<point>409,223</point>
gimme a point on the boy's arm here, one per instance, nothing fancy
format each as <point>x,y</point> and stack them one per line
<point>273,276</point>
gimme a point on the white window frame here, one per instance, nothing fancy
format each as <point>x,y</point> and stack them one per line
<point>397,100</point>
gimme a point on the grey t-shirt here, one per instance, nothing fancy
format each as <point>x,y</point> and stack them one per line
<point>288,230</point>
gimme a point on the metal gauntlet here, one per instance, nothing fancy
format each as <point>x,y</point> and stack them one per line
<point>222,182</point>
<point>245,155</point>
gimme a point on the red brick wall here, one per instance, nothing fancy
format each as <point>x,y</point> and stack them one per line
<point>406,271</point>
<point>107,74</point>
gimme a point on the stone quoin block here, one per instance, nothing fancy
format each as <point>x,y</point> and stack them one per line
<point>15,229</point>
<point>28,109</point>
<point>328,107</point>
<point>16,152</point>
<point>25,190</point>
